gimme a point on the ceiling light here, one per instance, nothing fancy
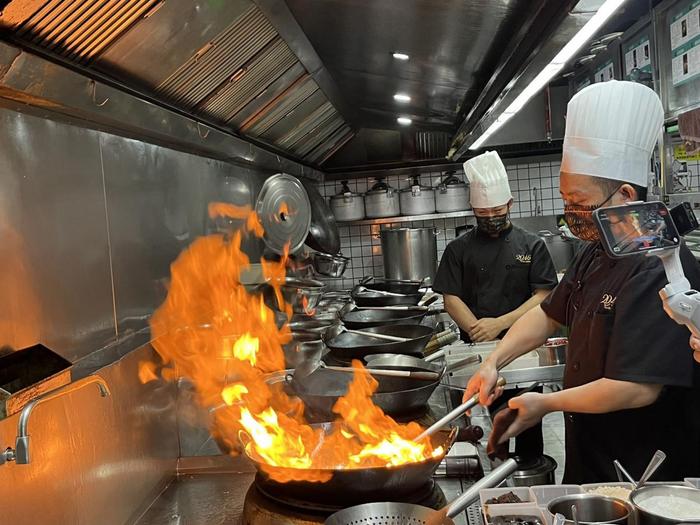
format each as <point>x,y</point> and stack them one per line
<point>607,9</point>
<point>401,97</point>
<point>400,56</point>
<point>404,121</point>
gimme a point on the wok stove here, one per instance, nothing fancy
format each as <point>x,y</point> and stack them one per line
<point>260,508</point>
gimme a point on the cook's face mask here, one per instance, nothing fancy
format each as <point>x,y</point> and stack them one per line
<point>580,219</point>
<point>493,225</point>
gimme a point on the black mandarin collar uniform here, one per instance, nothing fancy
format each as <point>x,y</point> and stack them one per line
<point>495,275</point>
<point>619,330</point>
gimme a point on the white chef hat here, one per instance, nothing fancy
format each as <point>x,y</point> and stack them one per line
<point>488,181</point>
<point>611,130</point>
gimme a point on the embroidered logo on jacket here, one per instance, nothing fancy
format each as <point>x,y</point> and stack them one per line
<point>608,301</point>
<point>524,258</point>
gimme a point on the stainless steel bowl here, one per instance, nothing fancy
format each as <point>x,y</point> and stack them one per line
<point>553,352</point>
<point>303,294</point>
<point>329,265</point>
<point>646,517</point>
<point>591,508</point>
<point>303,347</point>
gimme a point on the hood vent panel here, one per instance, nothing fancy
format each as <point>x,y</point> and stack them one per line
<point>81,30</point>
<point>219,60</point>
<point>225,63</point>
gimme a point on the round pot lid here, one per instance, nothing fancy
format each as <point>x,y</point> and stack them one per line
<point>323,231</point>
<point>284,211</point>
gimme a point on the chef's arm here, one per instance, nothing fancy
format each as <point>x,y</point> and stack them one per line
<point>597,397</point>
<point>530,331</point>
<point>602,396</point>
<point>510,318</point>
<point>459,312</point>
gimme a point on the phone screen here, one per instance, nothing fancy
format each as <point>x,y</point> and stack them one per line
<point>635,228</point>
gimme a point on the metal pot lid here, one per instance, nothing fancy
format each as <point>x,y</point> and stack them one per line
<point>380,187</point>
<point>534,465</point>
<point>284,211</point>
<point>344,192</point>
<point>324,235</point>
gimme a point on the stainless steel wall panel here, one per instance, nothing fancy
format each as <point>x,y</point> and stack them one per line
<point>94,460</point>
<point>250,81</point>
<point>219,60</point>
<point>54,256</point>
<point>158,45</point>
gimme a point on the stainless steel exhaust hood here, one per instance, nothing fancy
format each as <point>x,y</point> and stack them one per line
<point>222,62</point>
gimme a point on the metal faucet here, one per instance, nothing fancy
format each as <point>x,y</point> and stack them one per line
<point>20,454</point>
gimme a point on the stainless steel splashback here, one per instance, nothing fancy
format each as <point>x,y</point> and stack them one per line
<point>90,223</point>
<point>94,460</point>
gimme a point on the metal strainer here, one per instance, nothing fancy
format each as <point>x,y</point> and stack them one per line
<point>408,514</point>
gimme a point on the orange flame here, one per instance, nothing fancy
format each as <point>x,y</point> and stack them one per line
<point>211,330</point>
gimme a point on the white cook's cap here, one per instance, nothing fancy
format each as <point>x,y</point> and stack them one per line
<point>611,130</point>
<point>488,181</point>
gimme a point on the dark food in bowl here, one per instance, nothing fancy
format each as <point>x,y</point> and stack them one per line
<point>508,497</point>
<point>515,520</point>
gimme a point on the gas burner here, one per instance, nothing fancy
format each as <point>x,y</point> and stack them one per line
<point>263,508</point>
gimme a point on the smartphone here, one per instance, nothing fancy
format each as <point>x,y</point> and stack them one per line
<point>636,228</point>
<point>684,218</point>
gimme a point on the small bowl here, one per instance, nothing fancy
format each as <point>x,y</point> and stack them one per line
<point>591,508</point>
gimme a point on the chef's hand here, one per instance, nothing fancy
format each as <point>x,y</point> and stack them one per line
<point>483,382</point>
<point>531,409</point>
<point>486,329</point>
<point>695,345</point>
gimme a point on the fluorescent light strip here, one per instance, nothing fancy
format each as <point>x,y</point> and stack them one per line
<point>402,97</point>
<point>400,56</point>
<point>404,121</point>
<point>553,68</point>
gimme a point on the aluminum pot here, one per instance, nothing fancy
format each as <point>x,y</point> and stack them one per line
<point>382,201</point>
<point>329,265</point>
<point>592,508</point>
<point>417,200</point>
<point>559,247</point>
<point>646,517</point>
<point>347,206</point>
<point>410,254</point>
<point>451,195</point>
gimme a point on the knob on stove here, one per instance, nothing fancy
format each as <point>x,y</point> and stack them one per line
<point>472,433</point>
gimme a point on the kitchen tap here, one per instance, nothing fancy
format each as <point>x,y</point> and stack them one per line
<point>20,454</point>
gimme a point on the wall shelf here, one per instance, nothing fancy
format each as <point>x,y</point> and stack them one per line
<point>409,218</point>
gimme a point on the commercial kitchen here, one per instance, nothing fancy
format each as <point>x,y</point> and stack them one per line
<point>349,262</point>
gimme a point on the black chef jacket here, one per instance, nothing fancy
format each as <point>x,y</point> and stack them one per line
<point>619,330</point>
<point>494,276</point>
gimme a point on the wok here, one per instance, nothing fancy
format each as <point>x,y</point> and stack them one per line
<point>359,485</point>
<point>348,346</point>
<point>370,294</point>
<point>359,319</point>
<point>395,396</point>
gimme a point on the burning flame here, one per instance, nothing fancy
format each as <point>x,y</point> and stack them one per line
<point>225,339</point>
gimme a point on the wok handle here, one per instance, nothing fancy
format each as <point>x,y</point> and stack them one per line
<point>455,413</point>
<point>458,365</point>
<point>385,337</point>
<point>428,376</point>
<point>490,480</point>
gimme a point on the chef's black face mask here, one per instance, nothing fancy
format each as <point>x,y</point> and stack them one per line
<point>580,219</point>
<point>493,225</point>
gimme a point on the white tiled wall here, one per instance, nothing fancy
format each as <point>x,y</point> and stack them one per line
<point>535,188</point>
